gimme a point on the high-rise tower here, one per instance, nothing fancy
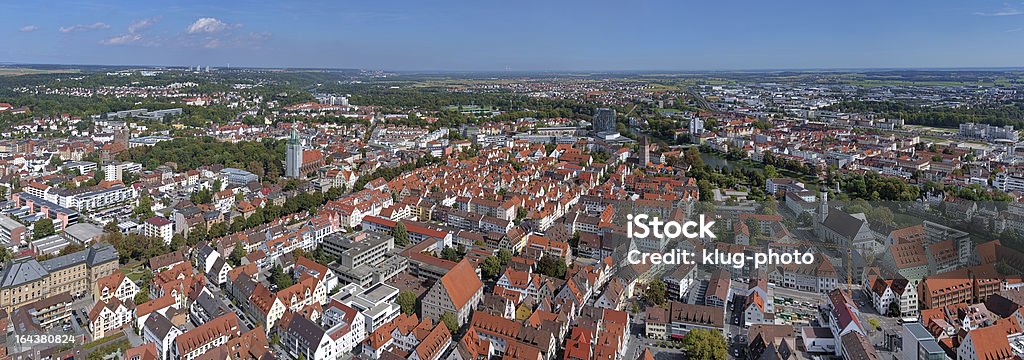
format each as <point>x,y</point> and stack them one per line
<point>293,155</point>
<point>645,152</point>
<point>604,120</point>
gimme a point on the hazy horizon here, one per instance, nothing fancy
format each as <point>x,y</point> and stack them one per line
<point>528,36</point>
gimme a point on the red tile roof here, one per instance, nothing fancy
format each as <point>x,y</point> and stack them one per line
<point>461,283</point>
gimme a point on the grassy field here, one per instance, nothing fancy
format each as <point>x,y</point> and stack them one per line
<point>27,71</point>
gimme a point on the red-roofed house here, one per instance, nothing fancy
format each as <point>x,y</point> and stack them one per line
<point>207,336</point>
<point>457,292</point>
<point>114,285</point>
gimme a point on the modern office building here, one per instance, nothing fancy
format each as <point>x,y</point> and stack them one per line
<point>238,176</point>
<point>378,304</point>
<point>919,344</point>
<point>604,120</point>
<point>359,255</point>
<point>11,232</point>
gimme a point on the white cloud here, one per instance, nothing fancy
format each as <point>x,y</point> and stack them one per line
<point>141,25</point>
<point>122,40</point>
<point>28,28</point>
<point>211,44</point>
<point>84,27</point>
<point>208,25</point>
<point>1006,11</point>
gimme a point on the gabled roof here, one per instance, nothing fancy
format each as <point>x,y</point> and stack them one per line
<point>434,342</point>
<point>225,325</point>
<point>991,343</point>
<point>112,281</point>
<point>857,347</point>
<point>159,325</point>
<point>146,351</point>
<point>304,328</point>
<point>461,283</point>
<point>156,304</point>
<point>646,355</point>
<point>908,255</point>
<point>113,305</point>
<point>844,224</point>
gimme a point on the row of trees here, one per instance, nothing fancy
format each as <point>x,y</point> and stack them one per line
<point>389,173</point>
<point>303,202</point>
<point>995,113</point>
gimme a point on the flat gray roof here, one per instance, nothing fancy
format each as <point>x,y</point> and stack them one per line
<point>83,231</point>
<point>918,331</point>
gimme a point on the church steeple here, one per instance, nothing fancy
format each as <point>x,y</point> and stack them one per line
<point>293,154</point>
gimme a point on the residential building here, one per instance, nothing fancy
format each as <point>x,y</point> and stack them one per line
<point>345,326</point>
<point>193,343</point>
<point>160,228</point>
<point>158,330</point>
<point>302,338</point>
<point>685,317</point>
<point>115,285</point>
<point>107,317</point>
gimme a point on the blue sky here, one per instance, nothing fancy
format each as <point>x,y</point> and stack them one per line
<point>521,35</point>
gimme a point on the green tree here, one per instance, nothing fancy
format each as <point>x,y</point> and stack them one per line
<point>491,267</point>
<point>144,210</point>
<point>71,249</point>
<point>450,322</point>
<point>235,258</point>
<point>238,224</point>
<point>451,254</point>
<point>656,291</point>
<point>129,178</point>
<point>551,266</point>
<point>407,300</point>
<point>401,235</point>
<point>875,324</point>
<point>279,277</point>
<point>805,218</point>
<point>143,295</point>
<point>55,161</point>
<point>111,227</point>
<point>894,309</point>
<point>217,230</point>
<point>43,228</point>
<point>177,241</point>
<point>703,344</point>
<point>504,256</point>
<point>197,234</point>
<point>882,214</point>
